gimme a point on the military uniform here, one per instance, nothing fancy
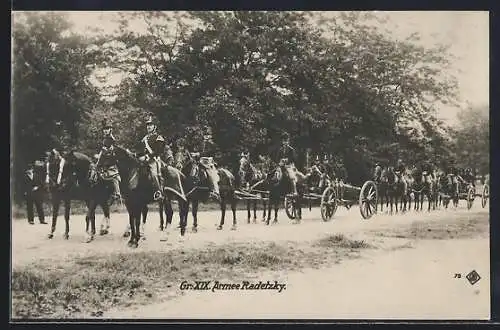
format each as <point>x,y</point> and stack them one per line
<point>107,163</point>
<point>285,157</point>
<point>400,171</point>
<point>154,145</point>
<point>377,175</point>
<point>33,192</point>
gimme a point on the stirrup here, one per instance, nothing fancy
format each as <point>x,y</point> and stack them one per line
<point>157,195</point>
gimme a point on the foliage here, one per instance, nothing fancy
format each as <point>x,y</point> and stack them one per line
<point>338,85</point>
<point>51,93</point>
<point>472,139</point>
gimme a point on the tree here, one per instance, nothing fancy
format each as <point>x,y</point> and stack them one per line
<point>472,139</point>
<point>355,93</point>
<point>51,94</point>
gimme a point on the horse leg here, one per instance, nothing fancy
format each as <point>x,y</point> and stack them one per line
<point>276,207</point>
<point>143,216</point>
<point>67,210</point>
<point>223,212</point>
<point>269,207</point>
<point>90,219</point>
<point>254,211</point>
<point>248,211</point>
<point>264,204</point>
<point>183,214</point>
<point>194,212</point>
<point>162,220</point>
<point>298,207</point>
<point>107,216</point>
<point>56,203</point>
<point>169,213</point>
<point>233,208</point>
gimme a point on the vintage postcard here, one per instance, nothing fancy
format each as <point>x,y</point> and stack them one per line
<point>250,165</point>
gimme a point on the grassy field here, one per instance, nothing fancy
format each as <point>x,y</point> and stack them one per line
<point>89,286</point>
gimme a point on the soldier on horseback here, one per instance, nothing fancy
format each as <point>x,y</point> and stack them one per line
<point>469,177</point>
<point>285,157</point>
<point>400,171</point>
<point>377,174</point>
<point>107,163</point>
<point>154,145</point>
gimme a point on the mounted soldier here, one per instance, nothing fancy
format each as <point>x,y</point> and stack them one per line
<point>400,171</point>
<point>469,177</point>
<point>284,158</point>
<point>153,144</point>
<point>377,173</point>
<point>107,164</point>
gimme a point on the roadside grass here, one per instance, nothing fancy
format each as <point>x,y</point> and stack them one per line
<point>89,286</point>
<point>458,226</point>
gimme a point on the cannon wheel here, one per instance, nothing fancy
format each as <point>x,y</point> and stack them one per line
<point>485,195</point>
<point>368,198</point>
<point>470,197</point>
<point>290,207</point>
<point>328,203</point>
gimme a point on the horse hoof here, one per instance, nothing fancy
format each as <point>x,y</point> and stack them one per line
<point>102,232</point>
<point>66,236</point>
<point>233,228</point>
<point>219,227</point>
<point>135,245</point>
<point>254,221</point>
<point>143,238</point>
<point>89,239</point>
<point>195,229</point>
<point>129,243</point>
<point>50,236</point>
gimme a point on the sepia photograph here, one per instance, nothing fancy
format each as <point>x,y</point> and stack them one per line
<point>250,165</point>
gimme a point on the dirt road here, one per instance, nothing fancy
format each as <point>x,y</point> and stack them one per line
<point>403,278</point>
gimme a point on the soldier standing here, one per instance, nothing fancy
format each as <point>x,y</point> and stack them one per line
<point>33,192</point>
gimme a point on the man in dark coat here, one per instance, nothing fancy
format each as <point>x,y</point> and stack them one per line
<point>33,192</point>
<point>107,163</point>
<point>153,144</point>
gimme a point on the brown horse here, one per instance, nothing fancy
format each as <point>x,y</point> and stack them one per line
<point>250,179</point>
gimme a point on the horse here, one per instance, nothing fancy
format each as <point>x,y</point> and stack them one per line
<point>250,178</point>
<point>403,183</point>
<point>227,186</point>
<point>448,189</point>
<point>392,191</point>
<point>138,189</point>
<point>67,179</point>
<point>423,185</point>
<point>282,181</point>
<point>200,184</point>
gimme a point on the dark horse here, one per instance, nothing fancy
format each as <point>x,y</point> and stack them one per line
<point>200,183</point>
<point>393,189</point>
<point>448,189</point>
<point>174,189</point>
<point>68,179</point>
<point>423,185</point>
<point>285,181</point>
<point>137,189</point>
<point>251,180</point>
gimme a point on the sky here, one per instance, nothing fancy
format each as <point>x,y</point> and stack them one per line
<point>467,32</point>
